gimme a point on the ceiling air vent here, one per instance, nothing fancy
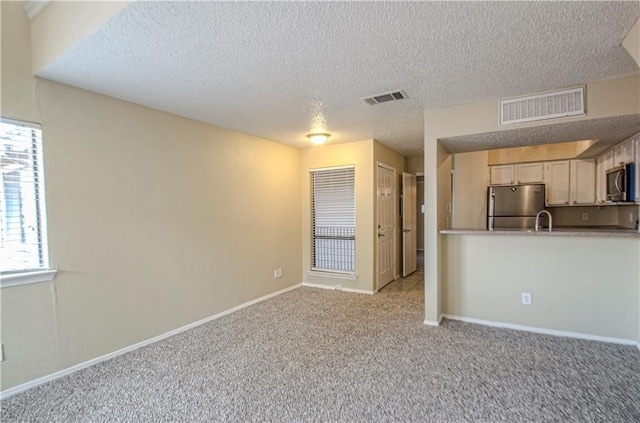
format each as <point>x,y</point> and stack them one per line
<point>551,105</point>
<point>383,98</point>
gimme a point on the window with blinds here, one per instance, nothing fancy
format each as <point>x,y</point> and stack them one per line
<point>333,219</point>
<point>22,211</point>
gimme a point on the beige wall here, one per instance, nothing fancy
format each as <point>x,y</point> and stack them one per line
<point>62,24</point>
<point>360,154</point>
<point>570,279</point>
<point>18,100</point>
<point>470,183</point>
<point>538,153</point>
<point>152,220</point>
<point>415,164</point>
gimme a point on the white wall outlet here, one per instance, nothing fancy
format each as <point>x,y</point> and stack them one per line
<point>338,287</point>
<point>526,298</point>
<point>275,274</point>
<point>585,216</point>
<point>279,271</point>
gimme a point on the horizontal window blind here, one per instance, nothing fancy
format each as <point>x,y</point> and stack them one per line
<point>333,219</point>
<point>22,211</point>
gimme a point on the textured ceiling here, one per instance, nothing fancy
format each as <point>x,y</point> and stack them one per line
<point>277,69</point>
<point>606,131</point>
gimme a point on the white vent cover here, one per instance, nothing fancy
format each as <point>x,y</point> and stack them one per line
<point>383,98</point>
<point>551,105</point>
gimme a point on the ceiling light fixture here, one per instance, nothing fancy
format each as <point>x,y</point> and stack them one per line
<point>318,138</point>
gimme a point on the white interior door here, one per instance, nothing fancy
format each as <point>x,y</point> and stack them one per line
<point>409,224</point>
<point>386,224</point>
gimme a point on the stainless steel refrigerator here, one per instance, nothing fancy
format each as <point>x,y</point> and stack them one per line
<point>514,206</point>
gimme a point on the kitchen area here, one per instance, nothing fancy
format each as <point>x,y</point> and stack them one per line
<point>578,276</point>
<point>568,193</point>
<point>545,238</point>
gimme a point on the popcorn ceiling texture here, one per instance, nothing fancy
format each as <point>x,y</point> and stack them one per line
<point>264,67</point>
<point>608,131</point>
<point>326,356</point>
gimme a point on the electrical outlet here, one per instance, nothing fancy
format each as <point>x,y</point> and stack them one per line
<point>338,287</point>
<point>526,298</point>
<point>279,273</point>
<point>275,274</point>
<point>585,216</point>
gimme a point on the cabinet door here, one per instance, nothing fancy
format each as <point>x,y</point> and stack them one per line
<point>603,163</point>
<point>623,153</point>
<point>530,173</point>
<point>502,175</point>
<point>583,181</point>
<point>558,183</point>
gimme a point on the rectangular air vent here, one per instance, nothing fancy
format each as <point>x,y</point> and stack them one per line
<point>383,98</point>
<point>551,105</point>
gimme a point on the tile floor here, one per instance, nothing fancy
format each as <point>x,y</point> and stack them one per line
<point>412,285</point>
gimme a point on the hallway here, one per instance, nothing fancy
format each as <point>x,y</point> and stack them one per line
<point>412,285</point>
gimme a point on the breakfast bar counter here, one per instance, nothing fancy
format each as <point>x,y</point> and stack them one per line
<point>607,232</point>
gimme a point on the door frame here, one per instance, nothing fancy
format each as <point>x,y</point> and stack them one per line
<point>394,206</point>
<point>409,257</point>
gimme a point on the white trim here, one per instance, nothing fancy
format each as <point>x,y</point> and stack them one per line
<point>25,278</point>
<point>544,331</point>
<point>320,169</point>
<point>22,123</point>
<point>331,274</point>
<point>333,288</point>
<point>64,372</point>
<point>434,322</point>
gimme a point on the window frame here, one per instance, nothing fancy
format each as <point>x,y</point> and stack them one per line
<point>313,268</point>
<point>43,272</point>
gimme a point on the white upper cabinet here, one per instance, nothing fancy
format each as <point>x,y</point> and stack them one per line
<point>523,173</point>
<point>583,182</point>
<point>623,153</point>
<point>530,173</point>
<point>558,186</point>
<point>603,163</point>
<point>571,182</point>
<point>502,175</point>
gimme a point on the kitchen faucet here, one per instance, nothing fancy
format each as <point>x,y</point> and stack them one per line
<point>537,225</point>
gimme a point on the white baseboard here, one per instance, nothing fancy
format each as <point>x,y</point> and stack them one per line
<point>544,331</point>
<point>333,288</point>
<point>434,322</point>
<point>64,372</point>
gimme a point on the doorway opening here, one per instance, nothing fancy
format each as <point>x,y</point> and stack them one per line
<point>411,212</point>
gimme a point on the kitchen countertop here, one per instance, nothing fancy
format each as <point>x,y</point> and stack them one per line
<point>596,231</point>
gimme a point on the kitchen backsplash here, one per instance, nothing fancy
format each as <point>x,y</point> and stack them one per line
<point>623,216</point>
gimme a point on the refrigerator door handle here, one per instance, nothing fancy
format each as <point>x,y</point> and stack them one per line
<point>492,200</point>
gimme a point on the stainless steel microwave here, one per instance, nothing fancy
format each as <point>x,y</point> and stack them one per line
<point>621,183</point>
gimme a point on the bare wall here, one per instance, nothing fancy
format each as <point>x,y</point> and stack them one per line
<point>155,221</point>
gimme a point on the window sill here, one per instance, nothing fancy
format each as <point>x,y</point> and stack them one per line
<point>334,275</point>
<point>26,278</point>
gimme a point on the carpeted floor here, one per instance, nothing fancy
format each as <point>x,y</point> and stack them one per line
<point>316,355</point>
